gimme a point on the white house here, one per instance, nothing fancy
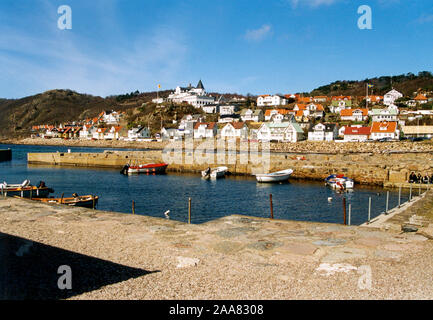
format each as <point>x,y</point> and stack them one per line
<point>391,96</point>
<point>87,131</point>
<point>356,133</point>
<point>195,96</point>
<point>111,117</point>
<point>384,129</point>
<point>113,133</point>
<point>354,114</point>
<point>252,115</point>
<point>138,133</point>
<point>323,132</point>
<point>271,100</point>
<point>285,131</point>
<point>388,114</point>
<point>234,130</point>
<point>228,109</point>
<point>205,130</point>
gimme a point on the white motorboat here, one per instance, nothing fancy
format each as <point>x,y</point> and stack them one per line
<point>214,173</point>
<point>278,176</point>
<point>339,182</point>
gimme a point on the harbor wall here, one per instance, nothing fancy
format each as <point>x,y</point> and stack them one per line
<point>365,168</point>
<point>5,155</point>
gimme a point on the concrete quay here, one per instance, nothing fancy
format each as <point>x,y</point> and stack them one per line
<point>125,256</point>
<point>5,155</point>
<point>369,168</point>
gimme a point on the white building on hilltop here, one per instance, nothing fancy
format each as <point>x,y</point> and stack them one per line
<point>195,96</point>
<point>390,97</point>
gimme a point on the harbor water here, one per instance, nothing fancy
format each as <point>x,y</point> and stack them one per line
<point>154,195</point>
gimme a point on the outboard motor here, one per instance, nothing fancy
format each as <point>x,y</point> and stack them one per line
<point>125,169</point>
<point>41,184</point>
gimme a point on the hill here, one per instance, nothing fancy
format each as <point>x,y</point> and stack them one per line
<point>405,83</point>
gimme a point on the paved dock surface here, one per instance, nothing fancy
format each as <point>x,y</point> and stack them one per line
<point>121,256</point>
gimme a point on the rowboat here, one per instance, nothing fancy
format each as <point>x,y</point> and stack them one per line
<point>214,173</point>
<point>339,181</point>
<point>74,201</point>
<point>25,190</point>
<point>150,168</point>
<point>278,176</point>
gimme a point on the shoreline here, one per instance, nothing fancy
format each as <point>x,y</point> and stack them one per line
<point>302,147</point>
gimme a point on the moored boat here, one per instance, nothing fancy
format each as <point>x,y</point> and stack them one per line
<point>25,190</point>
<point>278,176</point>
<point>214,173</point>
<point>150,168</point>
<point>88,201</point>
<point>339,181</point>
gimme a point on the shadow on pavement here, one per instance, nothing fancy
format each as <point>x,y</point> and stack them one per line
<point>29,270</point>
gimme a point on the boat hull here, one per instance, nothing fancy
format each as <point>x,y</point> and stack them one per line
<point>279,176</point>
<point>148,169</point>
<point>215,173</point>
<point>27,192</point>
<point>83,201</point>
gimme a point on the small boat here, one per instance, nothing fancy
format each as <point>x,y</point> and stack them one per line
<point>25,190</point>
<point>339,181</point>
<point>214,173</point>
<point>150,168</point>
<point>278,176</point>
<point>74,201</point>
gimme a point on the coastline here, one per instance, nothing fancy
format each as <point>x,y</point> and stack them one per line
<point>302,147</point>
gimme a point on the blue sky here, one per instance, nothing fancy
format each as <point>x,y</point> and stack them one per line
<point>254,46</point>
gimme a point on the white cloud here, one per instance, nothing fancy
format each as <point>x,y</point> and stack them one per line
<point>259,34</point>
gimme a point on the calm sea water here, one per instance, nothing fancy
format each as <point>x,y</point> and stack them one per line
<point>153,195</point>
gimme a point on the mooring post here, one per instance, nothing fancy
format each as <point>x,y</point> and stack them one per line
<point>419,192</point>
<point>272,207</point>
<point>344,211</point>
<point>133,207</point>
<point>31,194</point>
<point>93,201</point>
<point>410,193</point>
<point>350,213</point>
<point>369,209</point>
<point>61,199</point>
<point>387,202</point>
<point>399,196</point>
<point>189,210</point>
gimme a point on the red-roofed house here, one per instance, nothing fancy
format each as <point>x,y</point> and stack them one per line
<point>354,114</point>
<point>235,130</point>
<point>421,99</point>
<point>205,130</point>
<point>356,133</point>
<point>385,129</point>
<point>272,112</point>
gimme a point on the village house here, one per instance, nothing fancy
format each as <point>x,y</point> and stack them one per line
<point>186,126</point>
<point>374,99</point>
<point>99,133</point>
<point>87,131</point>
<point>357,115</point>
<point>205,130</point>
<point>387,114</point>
<point>234,130</point>
<point>195,96</point>
<point>320,98</point>
<point>228,109</point>
<point>323,132</point>
<point>211,108</point>
<point>113,133</point>
<point>421,99</point>
<point>252,115</point>
<point>417,131</point>
<point>268,100</point>
<point>170,134</point>
<point>270,113</point>
<point>391,96</point>
<point>380,130</point>
<point>110,117</point>
<point>339,103</point>
<point>356,133</point>
<point>138,133</point>
<point>282,131</point>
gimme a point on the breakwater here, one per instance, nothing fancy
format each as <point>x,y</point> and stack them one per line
<point>6,155</point>
<point>365,168</point>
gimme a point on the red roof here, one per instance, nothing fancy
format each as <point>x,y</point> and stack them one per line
<point>280,111</point>
<point>357,130</point>
<point>209,125</point>
<point>349,112</point>
<point>387,127</point>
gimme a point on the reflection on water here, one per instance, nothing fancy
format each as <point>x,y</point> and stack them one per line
<point>153,195</point>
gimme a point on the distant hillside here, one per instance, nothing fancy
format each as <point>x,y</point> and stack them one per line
<point>405,83</point>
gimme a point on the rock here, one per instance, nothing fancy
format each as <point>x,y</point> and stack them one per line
<point>409,228</point>
<point>184,262</point>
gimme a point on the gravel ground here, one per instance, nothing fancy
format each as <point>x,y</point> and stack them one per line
<point>120,256</point>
